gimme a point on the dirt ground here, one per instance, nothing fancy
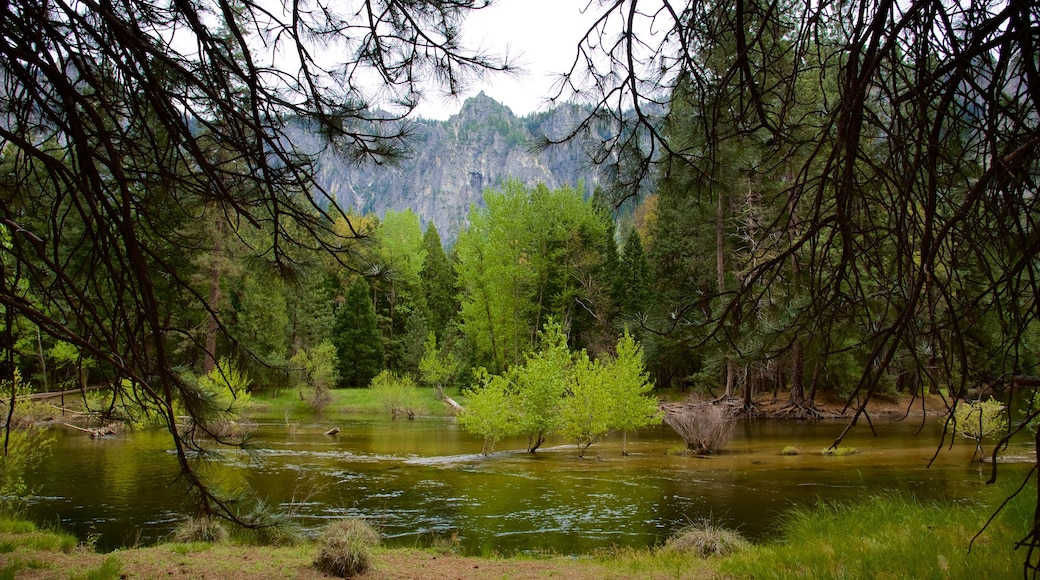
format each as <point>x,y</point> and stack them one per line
<point>827,407</point>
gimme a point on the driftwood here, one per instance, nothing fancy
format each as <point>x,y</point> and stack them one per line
<point>56,394</point>
<point>449,401</point>
<point>95,432</point>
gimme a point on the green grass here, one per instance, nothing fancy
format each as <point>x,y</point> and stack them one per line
<point>890,537</point>
<point>24,535</point>
<point>838,451</point>
<point>108,570</point>
<point>286,404</point>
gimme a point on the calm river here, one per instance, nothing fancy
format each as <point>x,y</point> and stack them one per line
<point>424,479</point>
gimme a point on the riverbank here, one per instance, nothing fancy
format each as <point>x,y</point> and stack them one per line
<point>892,536</point>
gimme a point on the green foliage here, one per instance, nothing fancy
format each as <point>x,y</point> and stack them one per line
<point>587,410</point>
<point>636,283</point>
<point>891,536</point>
<point>345,548</point>
<point>398,395</point>
<point>490,412</point>
<point>529,255</point>
<point>437,367</point>
<point>556,391</point>
<point>540,385</point>
<point>225,390</point>
<point>399,300</point>
<point>437,280</point>
<point>317,372</point>
<point>26,449</point>
<point>628,387</point>
<point>979,420</point>
<point>359,344</point>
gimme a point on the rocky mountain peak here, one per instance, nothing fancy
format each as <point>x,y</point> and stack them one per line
<point>452,162</point>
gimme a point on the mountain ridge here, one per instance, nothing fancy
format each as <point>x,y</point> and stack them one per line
<point>449,164</point>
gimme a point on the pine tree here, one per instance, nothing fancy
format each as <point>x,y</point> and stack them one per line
<point>359,344</point>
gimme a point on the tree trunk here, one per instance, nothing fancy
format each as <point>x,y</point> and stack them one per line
<point>797,398</point>
<point>720,271</point>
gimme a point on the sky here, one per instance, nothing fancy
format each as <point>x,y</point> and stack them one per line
<point>541,34</point>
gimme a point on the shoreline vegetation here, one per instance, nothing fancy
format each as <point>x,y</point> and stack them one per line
<point>877,536</point>
<point>890,536</point>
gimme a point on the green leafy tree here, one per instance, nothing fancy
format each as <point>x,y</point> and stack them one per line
<point>586,412</point>
<point>316,370</point>
<point>627,389</point>
<point>399,256</point>
<point>531,254</point>
<point>490,412</point>
<point>359,344</point>
<point>540,385</point>
<point>438,367</point>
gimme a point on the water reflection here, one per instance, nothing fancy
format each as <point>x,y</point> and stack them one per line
<point>417,480</point>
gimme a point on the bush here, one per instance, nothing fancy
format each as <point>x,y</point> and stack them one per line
<point>200,529</point>
<point>397,394</point>
<point>26,449</point>
<point>706,539</point>
<point>345,548</point>
<point>705,428</point>
<point>980,419</point>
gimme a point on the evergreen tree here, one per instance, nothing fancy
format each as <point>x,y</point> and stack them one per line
<point>359,344</point>
<point>636,297</point>
<point>437,280</point>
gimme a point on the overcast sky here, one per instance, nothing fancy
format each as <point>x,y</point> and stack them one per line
<point>541,34</point>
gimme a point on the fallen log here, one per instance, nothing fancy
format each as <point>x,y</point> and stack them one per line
<point>95,432</point>
<point>56,394</point>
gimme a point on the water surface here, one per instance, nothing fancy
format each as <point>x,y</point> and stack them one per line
<point>425,479</point>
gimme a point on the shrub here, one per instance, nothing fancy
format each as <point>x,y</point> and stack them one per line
<point>705,539</point>
<point>26,449</point>
<point>200,529</point>
<point>977,420</point>
<point>345,548</point>
<point>705,428</point>
<point>397,394</point>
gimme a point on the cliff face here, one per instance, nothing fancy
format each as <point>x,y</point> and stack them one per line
<point>452,162</point>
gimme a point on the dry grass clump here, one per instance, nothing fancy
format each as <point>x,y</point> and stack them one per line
<point>200,529</point>
<point>705,428</point>
<point>706,539</point>
<point>346,548</point>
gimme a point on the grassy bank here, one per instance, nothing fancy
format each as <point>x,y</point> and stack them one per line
<point>879,537</point>
<point>286,403</point>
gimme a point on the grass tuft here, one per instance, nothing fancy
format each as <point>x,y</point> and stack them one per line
<point>200,529</point>
<point>705,539</point>
<point>345,548</point>
<point>110,569</point>
<point>790,450</point>
<point>839,451</point>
